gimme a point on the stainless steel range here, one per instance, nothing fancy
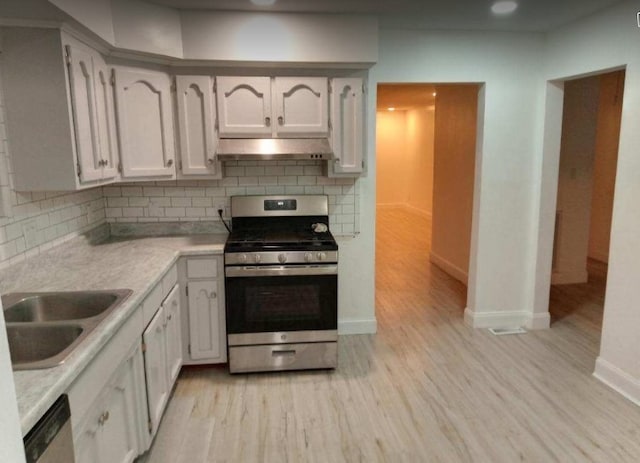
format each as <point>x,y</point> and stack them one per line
<point>281,277</point>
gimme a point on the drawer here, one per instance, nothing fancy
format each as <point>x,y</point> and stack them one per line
<point>278,357</point>
<point>202,268</point>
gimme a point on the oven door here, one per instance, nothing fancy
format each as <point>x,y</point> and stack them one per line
<point>265,299</point>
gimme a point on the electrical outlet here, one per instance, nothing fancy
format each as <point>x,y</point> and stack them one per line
<point>30,232</point>
<point>220,204</point>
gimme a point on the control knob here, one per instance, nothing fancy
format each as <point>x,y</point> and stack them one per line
<point>282,258</point>
<point>257,258</point>
<point>308,257</point>
<point>243,258</point>
<point>321,256</point>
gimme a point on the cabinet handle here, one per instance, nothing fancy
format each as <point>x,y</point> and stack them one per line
<point>170,316</point>
<point>213,295</point>
<point>103,418</point>
<point>267,121</point>
<point>169,162</point>
<point>106,162</point>
<point>175,304</point>
<point>281,120</point>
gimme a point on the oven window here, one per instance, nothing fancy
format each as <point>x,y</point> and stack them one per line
<point>265,304</point>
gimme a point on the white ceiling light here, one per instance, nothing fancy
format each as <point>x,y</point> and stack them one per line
<point>503,7</point>
<point>391,109</point>
<point>263,2</point>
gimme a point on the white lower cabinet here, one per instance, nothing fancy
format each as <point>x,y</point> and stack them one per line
<point>111,432</point>
<point>162,345</point>
<point>204,329</point>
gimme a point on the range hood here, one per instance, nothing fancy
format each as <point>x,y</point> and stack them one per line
<point>274,148</point>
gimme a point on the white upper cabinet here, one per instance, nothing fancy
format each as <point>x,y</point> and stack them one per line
<point>73,143</point>
<point>244,106</point>
<point>301,106</point>
<point>197,139</point>
<point>145,123</point>
<point>264,107</point>
<point>347,133</point>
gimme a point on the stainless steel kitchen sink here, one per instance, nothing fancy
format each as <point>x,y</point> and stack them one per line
<point>72,305</point>
<point>44,328</point>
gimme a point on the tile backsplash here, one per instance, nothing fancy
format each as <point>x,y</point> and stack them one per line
<point>199,200</point>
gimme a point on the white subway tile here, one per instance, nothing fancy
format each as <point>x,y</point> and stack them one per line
<point>174,211</point>
<point>195,211</point>
<point>131,191</point>
<point>180,202</point>
<point>201,202</point>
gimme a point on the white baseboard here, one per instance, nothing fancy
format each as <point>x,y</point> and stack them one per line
<point>448,267</point>
<point>357,326</point>
<point>618,380</point>
<point>537,321</point>
<point>507,319</point>
<point>569,278</point>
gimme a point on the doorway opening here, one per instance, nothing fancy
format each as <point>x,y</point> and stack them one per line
<point>592,110</point>
<point>425,163</point>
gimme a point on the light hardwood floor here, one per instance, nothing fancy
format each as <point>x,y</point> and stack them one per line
<point>426,388</point>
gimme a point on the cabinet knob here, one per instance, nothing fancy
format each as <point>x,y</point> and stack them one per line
<point>211,161</point>
<point>105,162</point>
<point>170,316</point>
<point>267,121</point>
<point>213,295</point>
<point>169,162</point>
<point>280,120</point>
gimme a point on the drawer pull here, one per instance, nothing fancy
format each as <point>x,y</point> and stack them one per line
<point>283,353</point>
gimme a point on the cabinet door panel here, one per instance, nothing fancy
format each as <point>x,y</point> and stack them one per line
<point>244,106</point>
<point>145,123</point>
<point>86,448</point>
<point>171,307</point>
<point>347,115</point>
<point>155,365</point>
<point>119,437</point>
<point>84,113</point>
<point>105,110</point>
<point>301,106</point>
<point>196,123</point>
<point>204,320</point>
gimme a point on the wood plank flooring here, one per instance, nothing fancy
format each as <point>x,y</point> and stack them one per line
<point>426,388</point>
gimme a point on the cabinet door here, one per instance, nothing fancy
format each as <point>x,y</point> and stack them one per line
<point>118,436</point>
<point>105,111</point>
<point>347,116</point>
<point>155,366</point>
<point>83,104</point>
<point>196,124</point>
<point>301,106</point>
<point>244,106</point>
<point>205,321</point>
<point>85,445</point>
<point>171,307</point>
<point>145,123</point>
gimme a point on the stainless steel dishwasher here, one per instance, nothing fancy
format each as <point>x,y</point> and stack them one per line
<point>51,440</point>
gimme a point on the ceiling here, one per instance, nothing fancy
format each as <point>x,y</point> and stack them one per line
<point>531,15</point>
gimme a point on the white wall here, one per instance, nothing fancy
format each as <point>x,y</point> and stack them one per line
<point>605,163</point>
<point>96,15</point>
<point>279,37</point>
<point>575,182</point>
<point>606,41</point>
<point>420,135</point>
<point>502,237</point>
<point>391,158</point>
<point>454,176</point>
<point>404,158</point>
<point>145,27</point>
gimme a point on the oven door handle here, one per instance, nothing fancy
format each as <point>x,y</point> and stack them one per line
<point>281,271</point>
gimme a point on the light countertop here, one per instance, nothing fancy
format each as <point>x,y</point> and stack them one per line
<point>134,263</point>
